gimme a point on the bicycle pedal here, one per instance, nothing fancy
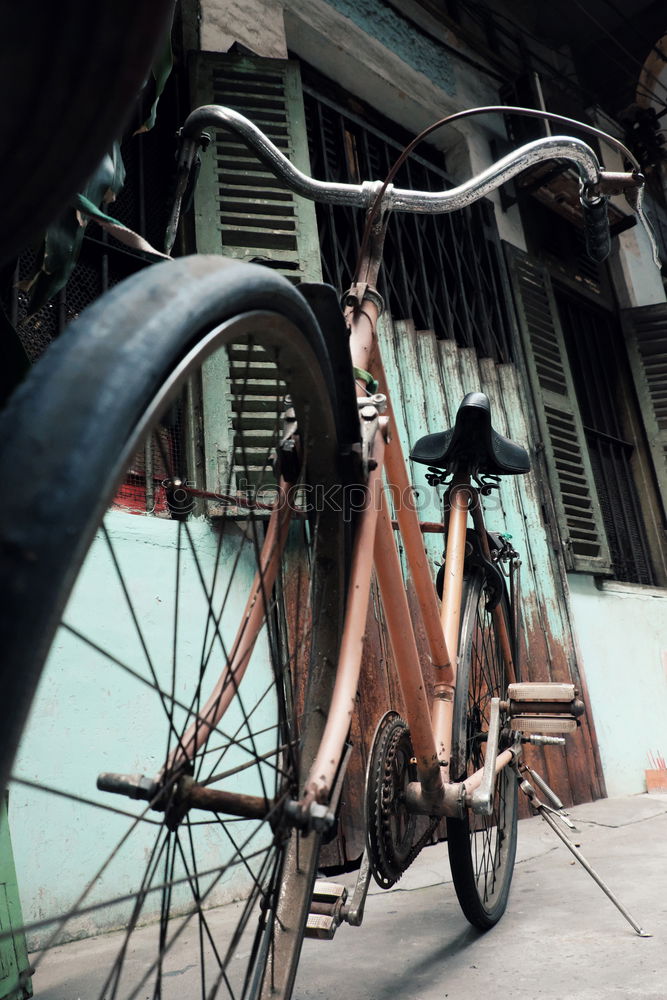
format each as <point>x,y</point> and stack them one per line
<point>543,707</point>
<point>326,908</point>
<point>543,723</point>
<point>540,691</point>
<point>321,927</point>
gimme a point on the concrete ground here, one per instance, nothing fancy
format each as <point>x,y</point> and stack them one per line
<point>560,939</point>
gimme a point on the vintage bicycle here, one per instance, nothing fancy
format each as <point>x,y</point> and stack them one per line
<point>226,623</point>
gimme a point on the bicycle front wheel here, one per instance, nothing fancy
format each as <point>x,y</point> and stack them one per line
<point>481,848</point>
<point>186,593</point>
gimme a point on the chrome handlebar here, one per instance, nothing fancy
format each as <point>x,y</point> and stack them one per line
<point>363,195</point>
<point>593,179</point>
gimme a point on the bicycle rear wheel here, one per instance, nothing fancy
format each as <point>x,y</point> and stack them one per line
<point>481,848</point>
<point>144,563</point>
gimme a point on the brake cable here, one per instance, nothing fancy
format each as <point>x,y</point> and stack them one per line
<point>375,208</point>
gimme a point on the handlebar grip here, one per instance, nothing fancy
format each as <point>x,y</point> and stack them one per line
<point>596,229</point>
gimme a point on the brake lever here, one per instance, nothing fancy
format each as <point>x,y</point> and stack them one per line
<point>187,171</point>
<point>631,186</point>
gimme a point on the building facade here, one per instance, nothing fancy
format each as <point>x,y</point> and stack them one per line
<point>499,297</point>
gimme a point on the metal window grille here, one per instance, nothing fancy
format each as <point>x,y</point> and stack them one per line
<point>598,368</point>
<point>446,272</point>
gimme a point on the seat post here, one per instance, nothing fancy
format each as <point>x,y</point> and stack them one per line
<point>459,498</point>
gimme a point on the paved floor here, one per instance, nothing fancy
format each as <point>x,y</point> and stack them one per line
<point>561,938</point>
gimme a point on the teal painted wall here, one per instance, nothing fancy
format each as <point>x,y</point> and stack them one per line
<point>402,38</point>
<point>622,634</point>
<point>91,717</point>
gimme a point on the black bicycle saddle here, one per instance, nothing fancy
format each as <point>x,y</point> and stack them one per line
<point>472,446</point>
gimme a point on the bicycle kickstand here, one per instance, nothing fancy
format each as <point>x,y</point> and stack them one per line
<point>547,813</point>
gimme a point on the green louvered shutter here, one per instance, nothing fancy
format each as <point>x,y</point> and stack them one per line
<point>646,336</point>
<point>571,476</point>
<point>241,210</point>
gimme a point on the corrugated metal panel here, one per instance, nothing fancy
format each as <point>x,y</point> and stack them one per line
<point>451,377</point>
<point>416,396</point>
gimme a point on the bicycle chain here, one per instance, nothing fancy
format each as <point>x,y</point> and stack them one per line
<point>388,862</point>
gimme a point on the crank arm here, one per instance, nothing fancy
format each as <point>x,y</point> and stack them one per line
<point>480,786</point>
<point>353,913</point>
<point>482,797</point>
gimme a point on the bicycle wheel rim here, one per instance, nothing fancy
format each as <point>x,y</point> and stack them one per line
<point>278,763</point>
<point>481,849</point>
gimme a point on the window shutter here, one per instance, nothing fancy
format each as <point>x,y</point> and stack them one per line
<point>570,473</point>
<point>646,336</point>
<point>241,210</point>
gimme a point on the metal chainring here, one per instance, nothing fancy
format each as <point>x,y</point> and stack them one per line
<point>390,827</point>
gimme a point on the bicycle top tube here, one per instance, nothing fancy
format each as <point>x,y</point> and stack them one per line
<point>362,195</point>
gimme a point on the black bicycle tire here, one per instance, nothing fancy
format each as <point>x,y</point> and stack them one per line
<point>80,403</point>
<point>477,912</point>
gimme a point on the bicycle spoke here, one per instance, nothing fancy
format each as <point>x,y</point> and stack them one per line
<point>165,909</point>
<point>217,635</point>
<point>216,619</point>
<point>212,617</point>
<point>204,929</point>
<point>77,910</point>
<point>231,679</point>
<point>230,739</point>
<point>139,631</point>
<point>174,639</point>
<point>219,872</point>
<point>255,708</point>
<point>235,940</point>
<point>265,758</point>
<point>113,979</point>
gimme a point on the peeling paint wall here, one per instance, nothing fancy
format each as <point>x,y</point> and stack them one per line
<point>401,37</point>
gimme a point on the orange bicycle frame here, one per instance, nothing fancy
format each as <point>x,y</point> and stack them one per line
<point>430,725</point>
